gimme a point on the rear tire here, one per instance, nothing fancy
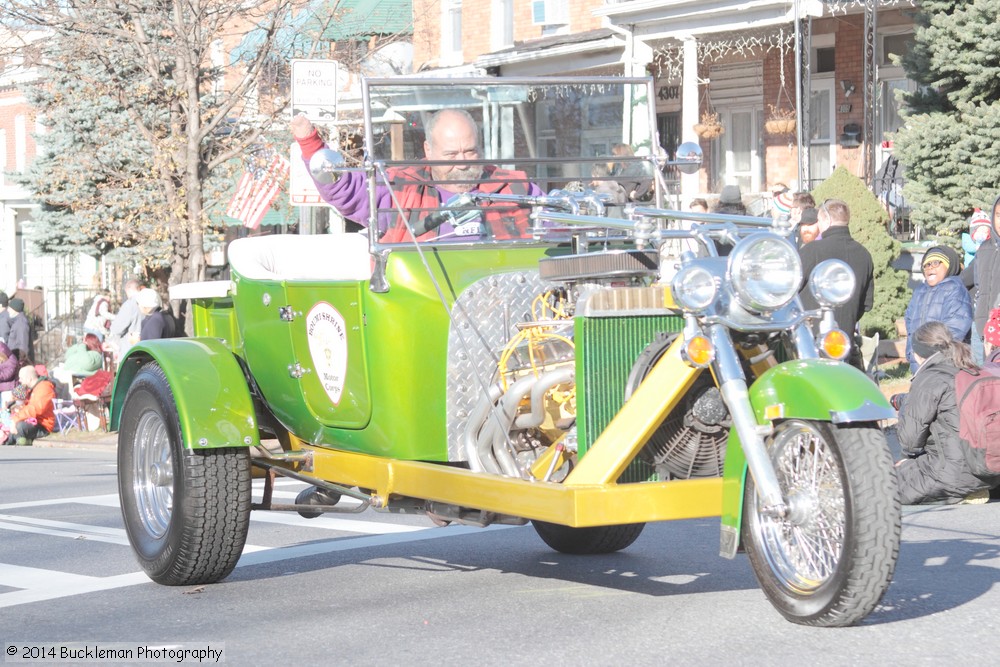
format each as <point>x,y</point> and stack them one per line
<point>588,541</point>
<point>186,512</point>
<point>831,558</point>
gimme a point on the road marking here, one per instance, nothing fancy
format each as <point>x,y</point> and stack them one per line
<point>53,584</point>
<point>74,531</point>
<point>348,525</point>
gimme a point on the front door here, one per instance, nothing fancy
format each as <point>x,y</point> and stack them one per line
<point>739,144</point>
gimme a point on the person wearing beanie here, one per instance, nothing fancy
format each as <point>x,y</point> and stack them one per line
<point>20,338</point>
<point>979,231</point>
<point>942,297</point>
<point>808,225</point>
<point>781,206</point>
<point>935,468</point>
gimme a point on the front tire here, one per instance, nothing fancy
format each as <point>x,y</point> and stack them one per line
<point>831,558</point>
<point>588,541</point>
<point>186,512</point>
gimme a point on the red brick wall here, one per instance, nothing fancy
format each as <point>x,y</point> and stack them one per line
<point>11,106</point>
<point>850,66</point>
<point>477,26</point>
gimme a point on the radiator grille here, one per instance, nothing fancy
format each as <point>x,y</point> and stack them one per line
<point>606,349</point>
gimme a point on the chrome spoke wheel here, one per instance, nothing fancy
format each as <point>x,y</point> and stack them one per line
<point>153,474</point>
<point>804,547</point>
<point>830,558</point>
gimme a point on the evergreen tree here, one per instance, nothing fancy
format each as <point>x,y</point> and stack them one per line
<point>869,228</point>
<point>950,144</point>
<point>92,174</point>
<point>150,65</point>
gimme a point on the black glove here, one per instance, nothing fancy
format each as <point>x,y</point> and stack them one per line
<point>896,401</point>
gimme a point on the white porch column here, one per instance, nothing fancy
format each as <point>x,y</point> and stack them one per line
<point>640,55</point>
<point>690,183</point>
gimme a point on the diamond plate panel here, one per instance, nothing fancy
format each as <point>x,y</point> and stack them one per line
<point>484,319</point>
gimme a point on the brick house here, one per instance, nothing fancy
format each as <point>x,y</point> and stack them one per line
<point>733,59</point>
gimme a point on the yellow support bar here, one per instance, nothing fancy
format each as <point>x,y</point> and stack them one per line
<point>578,506</point>
<point>632,427</point>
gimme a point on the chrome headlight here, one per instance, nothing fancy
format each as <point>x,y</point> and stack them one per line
<point>693,288</point>
<point>832,282</point>
<point>766,272</point>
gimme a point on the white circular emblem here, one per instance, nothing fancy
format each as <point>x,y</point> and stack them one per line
<point>328,347</point>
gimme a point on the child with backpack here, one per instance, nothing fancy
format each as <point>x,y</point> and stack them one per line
<point>936,469</point>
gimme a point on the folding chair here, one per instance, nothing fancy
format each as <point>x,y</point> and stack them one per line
<point>67,415</point>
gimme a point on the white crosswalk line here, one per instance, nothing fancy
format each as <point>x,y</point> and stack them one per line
<point>75,531</point>
<point>348,525</point>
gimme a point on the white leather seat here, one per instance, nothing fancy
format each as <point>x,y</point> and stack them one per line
<point>325,257</point>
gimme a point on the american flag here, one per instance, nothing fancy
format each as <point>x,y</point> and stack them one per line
<point>256,190</point>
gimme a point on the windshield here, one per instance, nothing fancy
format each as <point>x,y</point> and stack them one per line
<point>435,139</point>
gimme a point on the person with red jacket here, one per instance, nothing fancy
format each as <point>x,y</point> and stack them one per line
<point>453,140</point>
<point>36,418</point>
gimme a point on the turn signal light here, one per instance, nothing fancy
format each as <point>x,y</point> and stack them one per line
<point>836,345</point>
<point>699,351</point>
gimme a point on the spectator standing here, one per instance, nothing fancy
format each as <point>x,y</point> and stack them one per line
<point>602,184</point>
<point>979,231</point>
<point>4,317</point>
<point>99,316</point>
<point>808,226</point>
<point>942,297</point>
<point>21,338</point>
<point>698,205</point>
<point>127,322</point>
<point>781,205</point>
<point>633,177</point>
<point>936,468</point>
<point>158,323</point>
<point>36,418</point>
<point>730,201</point>
<point>983,275</point>
<point>836,243</point>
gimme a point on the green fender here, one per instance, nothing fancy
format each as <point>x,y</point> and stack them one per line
<point>813,389</point>
<point>213,401</point>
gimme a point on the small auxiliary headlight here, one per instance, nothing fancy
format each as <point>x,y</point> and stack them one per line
<point>836,344</point>
<point>693,288</point>
<point>698,351</point>
<point>832,282</point>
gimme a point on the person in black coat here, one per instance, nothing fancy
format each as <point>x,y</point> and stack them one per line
<point>935,469</point>
<point>158,322</point>
<point>982,276</point>
<point>836,242</point>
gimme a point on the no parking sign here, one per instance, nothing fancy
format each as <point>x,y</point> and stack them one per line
<point>314,89</point>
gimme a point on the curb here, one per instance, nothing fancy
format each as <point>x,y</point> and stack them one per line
<point>80,440</point>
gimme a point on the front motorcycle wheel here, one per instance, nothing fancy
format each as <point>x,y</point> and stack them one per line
<point>830,559</point>
<point>186,512</point>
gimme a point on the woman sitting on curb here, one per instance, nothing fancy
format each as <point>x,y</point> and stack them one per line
<point>935,470</point>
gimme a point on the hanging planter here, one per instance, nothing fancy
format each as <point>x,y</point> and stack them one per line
<point>780,121</point>
<point>781,117</point>
<point>710,127</point>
